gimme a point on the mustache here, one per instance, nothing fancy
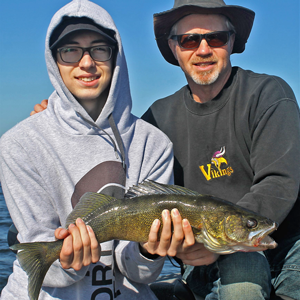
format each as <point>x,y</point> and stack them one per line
<point>199,60</point>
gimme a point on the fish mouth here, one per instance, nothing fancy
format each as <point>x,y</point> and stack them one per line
<point>262,240</point>
<point>268,242</point>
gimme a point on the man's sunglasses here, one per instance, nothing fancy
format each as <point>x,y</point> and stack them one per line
<point>193,40</point>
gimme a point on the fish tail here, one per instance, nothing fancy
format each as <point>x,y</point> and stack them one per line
<point>35,259</point>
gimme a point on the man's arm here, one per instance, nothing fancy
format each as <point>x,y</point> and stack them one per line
<point>275,160</point>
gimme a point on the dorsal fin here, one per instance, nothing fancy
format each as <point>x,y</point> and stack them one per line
<point>151,187</point>
<point>88,203</point>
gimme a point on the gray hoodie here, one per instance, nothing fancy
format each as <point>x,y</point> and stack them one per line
<point>50,159</point>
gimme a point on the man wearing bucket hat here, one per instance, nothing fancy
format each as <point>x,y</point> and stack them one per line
<point>87,140</point>
<point>236,135</point>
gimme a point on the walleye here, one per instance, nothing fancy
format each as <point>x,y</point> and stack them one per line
<point>221,226</point>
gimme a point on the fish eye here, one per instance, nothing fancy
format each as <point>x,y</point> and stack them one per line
<point>251,223</point>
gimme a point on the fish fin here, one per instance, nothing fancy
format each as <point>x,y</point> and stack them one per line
<point>36,259</point>
<point>88,204</point>
<point>151,187</point>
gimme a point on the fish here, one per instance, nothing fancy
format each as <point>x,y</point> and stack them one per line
<point>223,227</point>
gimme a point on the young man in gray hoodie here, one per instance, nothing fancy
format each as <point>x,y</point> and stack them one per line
<point>87,140</point>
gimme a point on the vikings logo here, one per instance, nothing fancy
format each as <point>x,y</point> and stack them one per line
<point>218,158</point>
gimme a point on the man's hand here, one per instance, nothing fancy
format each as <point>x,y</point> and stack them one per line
<point>164,245</point>
<point>181,243</point>
<point>40,107</point>
<point>170,242</point>
<point>80,246</point>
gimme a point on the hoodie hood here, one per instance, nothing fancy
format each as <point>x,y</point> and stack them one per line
<point>69,113</point>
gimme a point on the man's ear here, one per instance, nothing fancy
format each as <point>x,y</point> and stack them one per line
<point>172,45</point>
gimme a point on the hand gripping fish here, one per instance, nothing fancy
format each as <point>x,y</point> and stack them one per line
<point>221,226</point>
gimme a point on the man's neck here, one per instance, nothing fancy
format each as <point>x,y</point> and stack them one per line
<point>203,94</point>
<point>94,106</point>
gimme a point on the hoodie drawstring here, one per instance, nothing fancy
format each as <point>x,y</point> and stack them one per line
<point>118,139</point>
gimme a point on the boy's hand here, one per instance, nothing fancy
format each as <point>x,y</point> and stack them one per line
<point>80,246</point>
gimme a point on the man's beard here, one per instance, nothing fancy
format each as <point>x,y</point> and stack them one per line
<point>205,78</point>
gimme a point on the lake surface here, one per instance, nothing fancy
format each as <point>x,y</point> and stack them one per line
<point>7,256</point>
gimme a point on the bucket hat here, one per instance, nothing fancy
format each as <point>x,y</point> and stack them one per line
<point>241,18</point>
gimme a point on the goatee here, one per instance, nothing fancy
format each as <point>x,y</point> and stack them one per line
<point>205,78</point>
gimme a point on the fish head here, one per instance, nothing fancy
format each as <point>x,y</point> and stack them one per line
<point>248,232</point>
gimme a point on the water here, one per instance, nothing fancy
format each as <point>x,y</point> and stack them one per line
<point>7,256</point>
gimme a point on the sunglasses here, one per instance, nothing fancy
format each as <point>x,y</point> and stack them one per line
<point>193,40</point>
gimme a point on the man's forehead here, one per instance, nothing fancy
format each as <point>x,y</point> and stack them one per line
<point>212,22</point>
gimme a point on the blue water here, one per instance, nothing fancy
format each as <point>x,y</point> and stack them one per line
<point>7,256</point>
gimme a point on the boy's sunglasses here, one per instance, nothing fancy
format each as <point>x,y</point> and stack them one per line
<point>193,40</point>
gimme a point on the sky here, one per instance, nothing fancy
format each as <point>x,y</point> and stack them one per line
<point>273,48</point>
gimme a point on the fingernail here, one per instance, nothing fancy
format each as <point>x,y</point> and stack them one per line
<point>79,220</point>
<point>89,228</point>
<point>60,234</point>
<point>166,214</point>
<point>156,223</point>
<point>175,212</point>
<point>185,223</point>
<point>71,226</point>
